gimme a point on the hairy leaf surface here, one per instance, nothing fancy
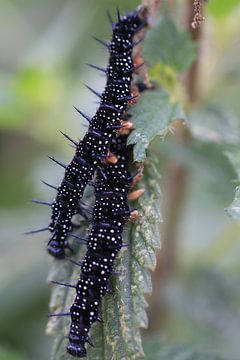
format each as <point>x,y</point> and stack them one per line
<point>152,115</point>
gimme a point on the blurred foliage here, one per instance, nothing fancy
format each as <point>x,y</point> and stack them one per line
<point>175,54</point>
<point>156,349</point>
<point>44,46</point>
<point>177,51</point>
<point>214,124</point>
<point>221,9</point>
<point>31,86</point>
<point>234,157</point>
<point>7,354</point>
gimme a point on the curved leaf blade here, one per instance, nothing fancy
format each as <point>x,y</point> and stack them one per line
<point>153,115</point>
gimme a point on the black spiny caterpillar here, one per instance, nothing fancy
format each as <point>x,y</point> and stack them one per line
<point>111,210</point>
<point>93,149</point>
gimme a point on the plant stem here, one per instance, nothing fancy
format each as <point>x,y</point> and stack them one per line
<point>174,189</point>
<point>190,79</point>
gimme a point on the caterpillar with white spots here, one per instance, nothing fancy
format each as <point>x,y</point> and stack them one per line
<point>93,150</point>
<point>110,213</point>
<point>112,183</point>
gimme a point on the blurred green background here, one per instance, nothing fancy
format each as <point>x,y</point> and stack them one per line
<point>44,46</point>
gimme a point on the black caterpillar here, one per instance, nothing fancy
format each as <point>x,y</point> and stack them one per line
<point>113,181</point>
<point>110,213</point>
<point>94,148</point>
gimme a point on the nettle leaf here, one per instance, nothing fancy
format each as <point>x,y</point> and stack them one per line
<point>123,311</point>
<point>214,123</point>
<point>167,44</point>
<point>153,115</point>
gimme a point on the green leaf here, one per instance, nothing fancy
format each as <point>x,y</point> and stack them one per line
<point>152,116</point>
<point>221,9</point>
<point>123,311</point>
<point>165,77</point>
<point>166,44</point>
<point>214,123</point>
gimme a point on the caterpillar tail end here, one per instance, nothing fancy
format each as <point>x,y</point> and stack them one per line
<point>77,350</point>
